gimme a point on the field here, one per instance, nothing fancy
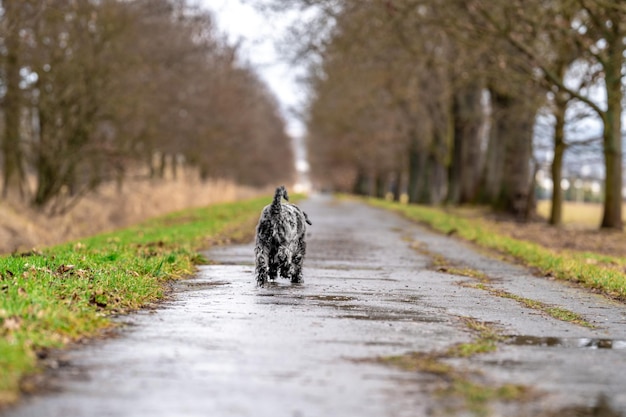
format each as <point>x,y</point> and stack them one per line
<point>577,215</point>
<point>109,208</point>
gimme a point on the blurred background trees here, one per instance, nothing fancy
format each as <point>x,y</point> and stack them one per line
<point>441,98</point>
<point>95,91</point>
<point>437,100</point>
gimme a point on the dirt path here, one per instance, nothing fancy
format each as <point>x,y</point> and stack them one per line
<point>223,347</point>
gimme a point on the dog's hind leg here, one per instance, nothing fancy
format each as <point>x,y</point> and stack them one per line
<point>273,264</point>
<point>283,260</point>
<point>262,262</point>
<point>297,261</point>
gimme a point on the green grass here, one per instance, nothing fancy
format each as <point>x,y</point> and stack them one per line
<point>60,294</point>
<point>486,340</point>
<point>463,390</point>
<point>607,275</point>
<point>558,313</point>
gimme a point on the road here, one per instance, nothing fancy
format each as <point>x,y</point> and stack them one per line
<point>221,346</point>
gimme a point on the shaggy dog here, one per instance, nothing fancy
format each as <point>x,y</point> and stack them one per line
<point>280,245</point>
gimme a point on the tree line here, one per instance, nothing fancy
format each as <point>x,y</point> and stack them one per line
<point>94,91</point>
<point>440,97</point>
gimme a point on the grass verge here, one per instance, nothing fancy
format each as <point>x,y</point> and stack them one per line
<point>64,293</point>
<point>602,273</point>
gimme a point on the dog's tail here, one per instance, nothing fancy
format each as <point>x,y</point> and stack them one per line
<point>281,192</point>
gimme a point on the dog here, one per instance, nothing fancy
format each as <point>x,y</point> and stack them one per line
<point>280,245</point>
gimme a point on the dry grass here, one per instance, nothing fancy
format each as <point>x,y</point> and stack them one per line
<point>23,228</point>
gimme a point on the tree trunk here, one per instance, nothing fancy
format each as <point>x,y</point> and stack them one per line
<point>175,166</point>
<point>361,183</point>
<point>162,164</point>
<point>456,165</point>
<point>46,174</point>
<point>438,180</point>
<point>381,185</point>
<point>396,185</point>
<point>507,177</point>
<point>119,177</point>
<point>426,177</point>
<point>13,171</point>
<point>494,161</point>
<point>612,138</point>
<point>515,188</point>
<point>435,178</point>
<point>204,172</point>
<point>465,167</point>
<point>47,180</point>
<point>556,211</point>
<point>415,168</point>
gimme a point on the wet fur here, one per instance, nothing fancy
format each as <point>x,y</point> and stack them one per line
<point>280,245</point>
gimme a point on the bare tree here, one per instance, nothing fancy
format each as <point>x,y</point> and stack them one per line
<point>96,89</point>
<point>16,17</point>
<point>595,29</point>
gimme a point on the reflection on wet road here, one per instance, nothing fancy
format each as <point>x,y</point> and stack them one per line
<point>225,347</point>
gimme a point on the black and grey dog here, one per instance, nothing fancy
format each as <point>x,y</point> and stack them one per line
<point>280,244</point>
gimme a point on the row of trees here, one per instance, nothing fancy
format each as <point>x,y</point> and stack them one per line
<point>440,97</point>
<point>94,90</point>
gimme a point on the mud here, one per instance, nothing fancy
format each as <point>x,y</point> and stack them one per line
<point>223,346</point>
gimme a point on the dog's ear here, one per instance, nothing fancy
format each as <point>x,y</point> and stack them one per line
<point>306,218</point>
<point>285,195</point>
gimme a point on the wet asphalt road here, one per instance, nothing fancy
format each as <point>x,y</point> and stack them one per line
<point>224,347</point>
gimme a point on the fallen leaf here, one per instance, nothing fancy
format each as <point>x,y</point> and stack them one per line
<point>32,252</point>
<point>12,323</point>
<point>64,268</point>
<point>81,272</point>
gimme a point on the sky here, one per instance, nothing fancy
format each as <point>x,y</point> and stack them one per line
<point>259,36</point>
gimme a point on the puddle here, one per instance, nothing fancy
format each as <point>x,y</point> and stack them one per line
<point>602,408</point>
<point>192,285</point>
<point>411,299</point>
<point>391,317</point>
<point>279,286</point>
<point>344,268</point>
<point>582,342</point>
<point>298,300</point>
<point>370,343</point>
<point>330,298</point>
